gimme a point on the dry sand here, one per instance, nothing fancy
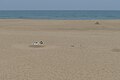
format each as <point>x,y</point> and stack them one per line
<point>73,50</point>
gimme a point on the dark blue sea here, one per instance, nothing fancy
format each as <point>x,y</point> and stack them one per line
<point>61,14</point>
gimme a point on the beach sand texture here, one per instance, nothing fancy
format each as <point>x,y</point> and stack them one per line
<point>73,49</point>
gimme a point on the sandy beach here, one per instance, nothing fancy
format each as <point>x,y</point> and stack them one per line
<point>73,49</point>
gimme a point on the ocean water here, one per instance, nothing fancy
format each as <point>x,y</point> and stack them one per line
<point>60,14</point>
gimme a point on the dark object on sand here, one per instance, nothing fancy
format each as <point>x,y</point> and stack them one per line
<point>72,46</point>
<point>97,22</point>
<point>41,42</point>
